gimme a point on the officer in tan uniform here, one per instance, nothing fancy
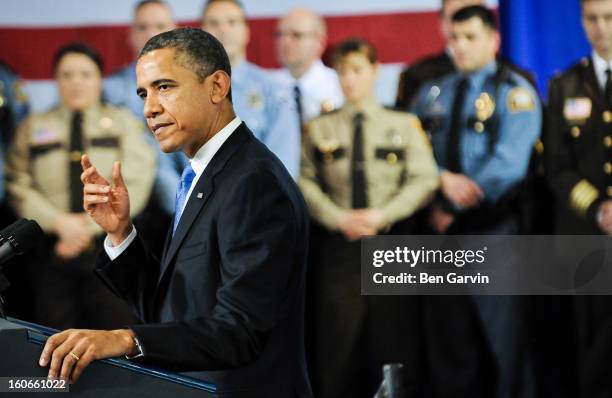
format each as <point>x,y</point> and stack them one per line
<point>365,170</point>
<point>43,169</point>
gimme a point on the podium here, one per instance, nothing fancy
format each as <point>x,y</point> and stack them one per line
<point>21,345</point>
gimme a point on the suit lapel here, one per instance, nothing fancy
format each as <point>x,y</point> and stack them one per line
<point>205,187</point>
<point>167,241</point>
<point>201,194</point>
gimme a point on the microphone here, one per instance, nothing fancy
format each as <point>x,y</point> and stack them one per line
<point>18,238</point>
<point>8,230</point>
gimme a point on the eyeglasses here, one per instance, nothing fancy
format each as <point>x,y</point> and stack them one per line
<point>294,34</point>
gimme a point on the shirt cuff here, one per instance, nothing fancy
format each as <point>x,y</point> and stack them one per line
<point>115,251</point>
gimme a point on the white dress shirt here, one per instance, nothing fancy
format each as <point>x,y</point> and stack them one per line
<point>601,65</point>
<point>319,87</point>
<point>198,163</point>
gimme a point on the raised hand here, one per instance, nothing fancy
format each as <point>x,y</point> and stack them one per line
<point>108,206</point>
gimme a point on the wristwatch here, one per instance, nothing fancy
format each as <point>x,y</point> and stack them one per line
<point>140,352</point>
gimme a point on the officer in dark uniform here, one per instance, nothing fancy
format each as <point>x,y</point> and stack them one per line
<point>579,162</point>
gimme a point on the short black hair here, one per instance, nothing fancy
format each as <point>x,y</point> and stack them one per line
<point>78,48</point>
<point>194,49</point>
<point>235,2</point>
<point>355,45</point>
<point>487,16</point>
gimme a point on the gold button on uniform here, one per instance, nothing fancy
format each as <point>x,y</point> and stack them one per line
<point>608,167</point>
<point>106,123</point>
<point>575,132</point>
<point>539,146</point>
<point>75,156</point>
<point>479,127</point>
<point>607,116</point>
<point>392,158</point>
<point>608,141</point>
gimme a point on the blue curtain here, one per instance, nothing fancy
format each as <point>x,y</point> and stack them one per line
<point>542,36</point>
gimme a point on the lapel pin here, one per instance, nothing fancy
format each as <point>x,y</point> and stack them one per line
<point>200,195</point>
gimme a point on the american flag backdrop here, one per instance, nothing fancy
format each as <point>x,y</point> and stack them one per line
<point>32,30</point>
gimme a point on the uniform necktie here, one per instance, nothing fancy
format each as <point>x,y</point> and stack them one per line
<point>357,169</point>
<point>608,88</point>
<point>297,93</point>
<point>181,194</point>
<point>453,150</point>
<point>76,149</point>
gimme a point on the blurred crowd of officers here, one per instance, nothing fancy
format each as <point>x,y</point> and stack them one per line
<point>469,148</point>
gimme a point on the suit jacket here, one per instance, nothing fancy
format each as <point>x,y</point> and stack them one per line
<point>226,302</point>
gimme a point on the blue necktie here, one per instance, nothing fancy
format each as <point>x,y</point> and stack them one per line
<point>181,194</point>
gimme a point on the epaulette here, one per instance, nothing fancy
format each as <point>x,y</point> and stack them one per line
<point>395,108</point>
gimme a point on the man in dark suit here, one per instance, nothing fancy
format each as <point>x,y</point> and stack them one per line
<point>226,302</point>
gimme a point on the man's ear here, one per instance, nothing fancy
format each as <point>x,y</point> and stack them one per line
<point>497,41</point>
<point>220,86</point>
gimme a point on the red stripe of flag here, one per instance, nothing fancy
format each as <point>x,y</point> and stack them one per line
<point>401,37</point>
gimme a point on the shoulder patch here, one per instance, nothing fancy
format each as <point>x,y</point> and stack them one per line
<point>394,108</point>
<point>520,100</point>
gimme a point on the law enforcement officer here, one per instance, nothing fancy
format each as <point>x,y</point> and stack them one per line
<point>43,169</point>
<point>365,170</point>
<point>579,161</point>
<point>483,120</point>
<point>311,87</point>
<point>13,108</point>
<point>535,197</point>
<point>150,18</point>
<point>433,66</point>
<point>255,99</point>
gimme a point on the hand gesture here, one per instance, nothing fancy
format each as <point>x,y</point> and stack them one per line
<point>108,206</point>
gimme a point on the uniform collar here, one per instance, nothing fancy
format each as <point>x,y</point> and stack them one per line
<point>90,113</point>
<point>312,75</point>
<point>600,65</point>
<point>367,107</point>
<point>240,70</point>
<point>478,78</point>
